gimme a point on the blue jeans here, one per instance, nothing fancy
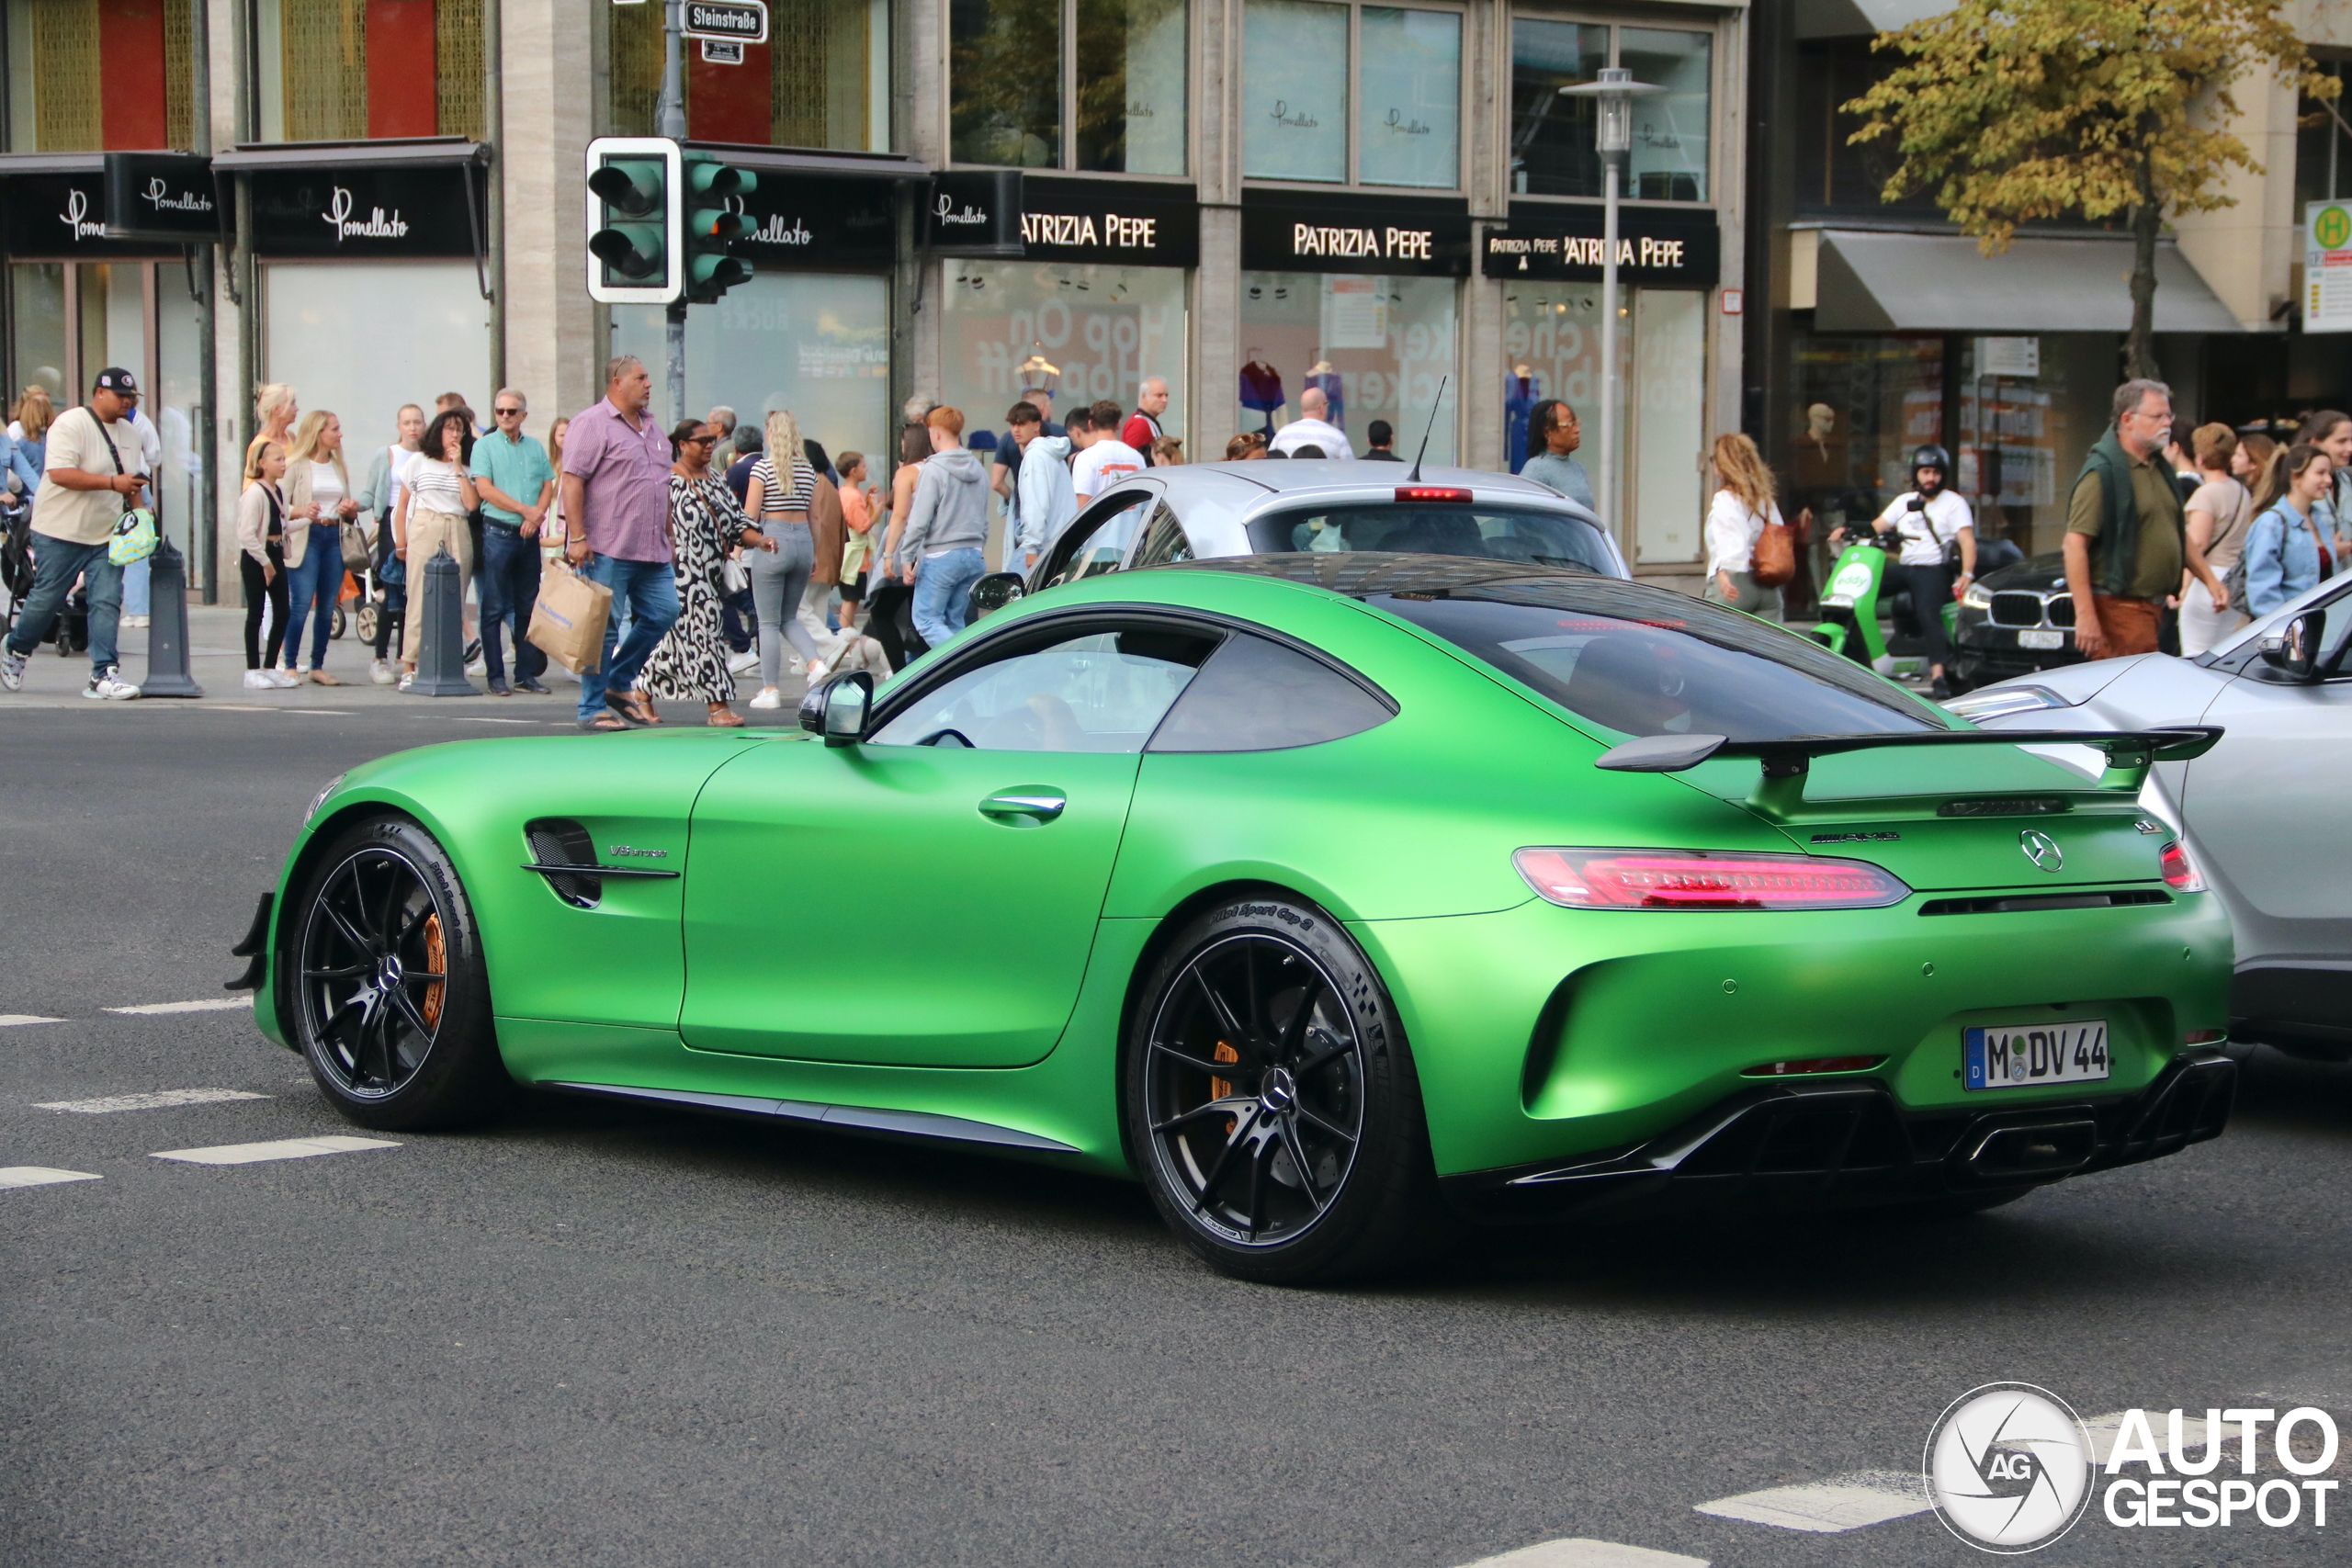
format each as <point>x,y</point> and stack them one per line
<point>943,593</point>
<point>647,592</point>
<point>56,563</point>
<point>311,589</point>
<point>508,579</point>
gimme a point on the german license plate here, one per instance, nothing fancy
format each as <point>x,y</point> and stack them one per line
<point>2030,1056</point>
<point>2046,642</point>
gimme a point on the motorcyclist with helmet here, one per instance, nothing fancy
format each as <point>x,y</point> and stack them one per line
<point>1931,521</point>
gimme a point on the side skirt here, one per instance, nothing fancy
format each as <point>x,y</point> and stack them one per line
<point>921,1125</point>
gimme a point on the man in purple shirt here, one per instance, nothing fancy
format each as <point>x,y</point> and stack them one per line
<point>617,502</point>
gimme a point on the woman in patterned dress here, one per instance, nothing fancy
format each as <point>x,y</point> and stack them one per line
<point>705,526</point>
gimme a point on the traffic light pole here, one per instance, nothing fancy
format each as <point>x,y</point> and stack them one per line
<point>672,115</point>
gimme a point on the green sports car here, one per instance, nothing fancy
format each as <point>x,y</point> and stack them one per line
<point>1344,900</point>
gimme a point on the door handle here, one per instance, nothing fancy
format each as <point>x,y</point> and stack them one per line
<point>1037,803</point>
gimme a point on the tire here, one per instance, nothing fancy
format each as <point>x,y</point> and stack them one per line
<point>365,623</point>
<point>1271,1102</point>
<point>386,994</point>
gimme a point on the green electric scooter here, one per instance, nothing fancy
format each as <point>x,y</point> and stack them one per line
<point>1850,621</point>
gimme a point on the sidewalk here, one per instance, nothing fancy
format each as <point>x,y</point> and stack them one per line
<point>217,659</point>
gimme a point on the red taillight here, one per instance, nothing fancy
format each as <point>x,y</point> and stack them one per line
<point>1698,879</point>
<point>2180,871</point>
<point>1433,493</point>
<point>1813,1064</point>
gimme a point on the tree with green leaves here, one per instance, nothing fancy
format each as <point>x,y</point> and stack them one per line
<point>2011,111</point>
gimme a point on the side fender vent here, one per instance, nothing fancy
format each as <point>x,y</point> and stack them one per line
<point>556,841</point>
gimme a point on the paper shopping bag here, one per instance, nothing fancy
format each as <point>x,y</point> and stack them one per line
<point>568,622</point>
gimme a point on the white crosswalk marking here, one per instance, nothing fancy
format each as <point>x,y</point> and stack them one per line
<point>1828,1507</point>
<point>284,1148</point>
<point>155,1102</point>
<point>2104,1429</point>
<point>209,1004</point>
<point>39,1176</point>
<point>6,1019</point>
<point>1579,1553</point>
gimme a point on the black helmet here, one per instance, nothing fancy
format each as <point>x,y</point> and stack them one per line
<point>1934,457</point>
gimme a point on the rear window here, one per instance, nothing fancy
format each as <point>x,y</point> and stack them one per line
<point>1483,533</point>
<point>1642,661</point>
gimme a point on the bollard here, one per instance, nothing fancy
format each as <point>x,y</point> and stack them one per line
<point>167,650</point>
<point>441,647</point>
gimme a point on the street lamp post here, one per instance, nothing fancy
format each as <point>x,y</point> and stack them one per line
<point>1616,91</point>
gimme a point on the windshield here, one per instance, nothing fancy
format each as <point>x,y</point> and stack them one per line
<point>1488,533</point>
<point>1642,661</point>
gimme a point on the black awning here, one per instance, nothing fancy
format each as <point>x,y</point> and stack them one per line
<point>418,153</point>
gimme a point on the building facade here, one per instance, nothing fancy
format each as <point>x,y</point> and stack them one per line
<point>1393,203</point>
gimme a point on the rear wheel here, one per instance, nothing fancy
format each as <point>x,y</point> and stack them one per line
<point>1271,1100</point>
<point>391,1004</point>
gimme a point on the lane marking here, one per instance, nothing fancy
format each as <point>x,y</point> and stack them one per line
<point>209,1004</point>
<point>463,718</point>
<point>39,1176</point>
<point>155,1102</point>
<point>8,1020</point>
<point>1576,1552</point>
<point>2104,1430</point>
<point>284,1148</point>
<point>1828,1507</point>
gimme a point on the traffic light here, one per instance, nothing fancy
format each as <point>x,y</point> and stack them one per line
<point>636,221</point>
<point>712,225</point>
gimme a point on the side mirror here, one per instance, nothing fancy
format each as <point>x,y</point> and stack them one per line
<point>993,594</point>
<point>2294,653</point>
<point>837,709</point>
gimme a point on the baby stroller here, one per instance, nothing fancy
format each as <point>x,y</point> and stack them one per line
<point>15,557</point>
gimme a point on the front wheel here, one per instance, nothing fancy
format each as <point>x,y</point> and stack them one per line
<point>390,1005</point>
<point>1270,1101</point>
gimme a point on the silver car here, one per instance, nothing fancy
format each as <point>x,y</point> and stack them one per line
<point>1198,510</point>
<point>2262,813</point>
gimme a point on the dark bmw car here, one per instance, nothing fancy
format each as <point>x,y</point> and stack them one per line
<point>2016,621</point>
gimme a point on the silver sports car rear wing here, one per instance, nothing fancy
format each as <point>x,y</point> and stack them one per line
<point>1780,791</point>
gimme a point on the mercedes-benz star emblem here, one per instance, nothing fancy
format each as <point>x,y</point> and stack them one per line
<point>2042,849</point>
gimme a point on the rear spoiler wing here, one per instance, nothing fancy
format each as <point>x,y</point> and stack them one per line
<point>1780,792</point>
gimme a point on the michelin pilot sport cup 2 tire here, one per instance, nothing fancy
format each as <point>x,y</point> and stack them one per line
<point>1270,1100</point>
<point>385,992</point>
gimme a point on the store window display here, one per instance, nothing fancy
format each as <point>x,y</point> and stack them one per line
<point>1375,348</point>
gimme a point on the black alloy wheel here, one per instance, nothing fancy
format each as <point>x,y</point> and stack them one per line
<point>388,1002</point>
<point>1272,1103</point>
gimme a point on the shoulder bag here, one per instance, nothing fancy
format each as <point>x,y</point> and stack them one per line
<point>134,532</point>
<point>1774,559</point>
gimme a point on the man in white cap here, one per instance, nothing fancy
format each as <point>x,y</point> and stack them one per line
<point>96,471</point>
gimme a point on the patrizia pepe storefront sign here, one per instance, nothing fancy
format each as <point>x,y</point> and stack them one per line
<point>1657,247</point>
<point>365,213</point>
<point>1309,231</point>
<point>1111,221</point>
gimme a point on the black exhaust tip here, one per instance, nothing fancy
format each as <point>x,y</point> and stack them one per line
<point>2033,1148</point>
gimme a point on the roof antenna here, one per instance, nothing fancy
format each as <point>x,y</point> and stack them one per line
<point>1415,477</point>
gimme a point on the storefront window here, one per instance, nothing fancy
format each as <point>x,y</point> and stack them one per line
<point>362,338</point>
<point>1298,76</point>
<point>1669,158</point>
<point>817,344</point>
<point>1553,147</point>
<point>37,347</point>
<point>2022,439</point>
<point>1006,96</point>
<point>1860,405</point>
<point>821,80</point>
<point>1667,500</point>
<point>1410,131</point>
<point>1375,348</point>
<point>56,102</point>
<point>359,70</point>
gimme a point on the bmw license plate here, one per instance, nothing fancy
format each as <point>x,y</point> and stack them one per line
<point>2029,1055</point>
<point>2046,642</point>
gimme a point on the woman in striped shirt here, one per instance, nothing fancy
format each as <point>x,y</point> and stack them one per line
<point>780,567</point>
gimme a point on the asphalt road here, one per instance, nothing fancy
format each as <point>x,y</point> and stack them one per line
<point>601,1335</point>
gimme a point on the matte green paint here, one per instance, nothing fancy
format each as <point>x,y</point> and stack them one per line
<point>852,930</point>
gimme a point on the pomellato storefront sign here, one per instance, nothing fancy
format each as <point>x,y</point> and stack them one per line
<point>362,213</point>
<point>63,215</point>
<point>1657,247</point>
<point>1307,231</point>
<point>817,221</point>
<point>162,196</point>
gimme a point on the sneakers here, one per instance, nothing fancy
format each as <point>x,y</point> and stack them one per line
<point>282,680</point>
<point>530,684</point>
<point>743,663</point>
<point>108,686</point>
<point>408,679</point>
<point>12,671</point>
<point>768,699</point>
<point>135,623</point>
<point>382,672</point>
<point>499,688</point>
<point>259,681</point>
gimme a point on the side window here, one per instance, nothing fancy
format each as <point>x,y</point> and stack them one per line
<point>1255,694</point>
<point>1105,530</point>
<point>1163,540</point>
<point>1100,689</point>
